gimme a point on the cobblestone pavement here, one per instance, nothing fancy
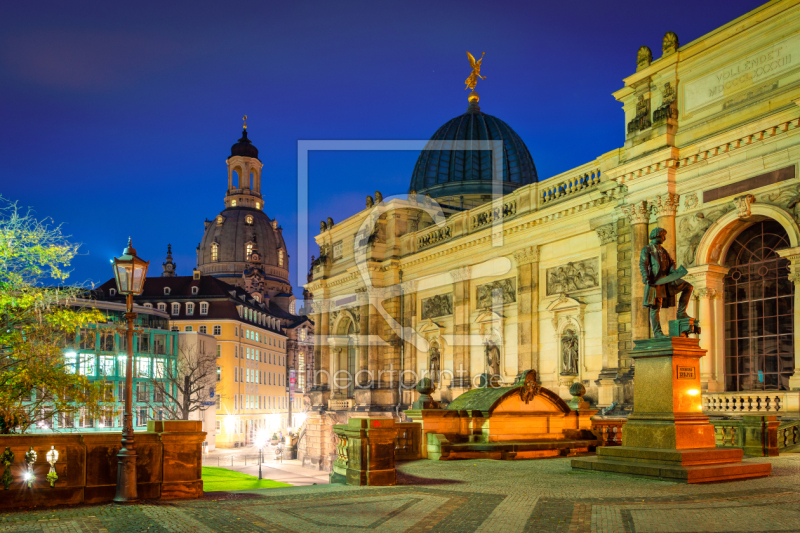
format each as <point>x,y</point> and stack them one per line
<point>488,496</point>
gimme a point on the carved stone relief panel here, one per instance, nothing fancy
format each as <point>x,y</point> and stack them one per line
<point>691,229</point>
<point>498,292</point>
<point>436,306</point>
<point>574,276</point>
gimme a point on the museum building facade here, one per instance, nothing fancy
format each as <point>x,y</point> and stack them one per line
<point>469,287</point>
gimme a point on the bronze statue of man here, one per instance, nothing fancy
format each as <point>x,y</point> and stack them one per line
<point>654,265</point>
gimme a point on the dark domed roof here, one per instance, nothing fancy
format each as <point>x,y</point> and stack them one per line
<point>460,172</point>
<point>244,147</point>
<point>231,230</point>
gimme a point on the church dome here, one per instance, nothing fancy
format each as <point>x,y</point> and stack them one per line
<point>454,172</point>
<point>244,147</point>
<point>235,232</point>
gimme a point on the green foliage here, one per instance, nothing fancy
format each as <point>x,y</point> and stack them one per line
<point>35,322</point>
<point>215,478</point>
<point>7,458</point>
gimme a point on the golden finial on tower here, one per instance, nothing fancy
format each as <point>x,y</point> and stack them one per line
<point>472,81</point>
<point>245,121</point>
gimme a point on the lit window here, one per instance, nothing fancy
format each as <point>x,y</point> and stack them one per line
<point>258,205</point>
<point>248,249</point>
<point>302,334</point>
<point>176,308</point>
<point>233,203</point>
<point>86,365</point>
<point>219,350</point>
<point>217,330</point>
<point>162,307</point>
<point>249,220</point>
<point>215,252</point>
<point>174,328</point>
<point>219,375</point>
<point>203,308</point>
<point>166,291</point>
<point>158,368</point>
<point>187,328</point>
<point>220,220</point>
<point>256,336</point>
<point>195,290</point>
<point>189,308</point>
<point>202,329</point>
<point>280,257</point>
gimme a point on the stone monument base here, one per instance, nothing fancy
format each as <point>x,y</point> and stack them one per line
<point>703,465</point>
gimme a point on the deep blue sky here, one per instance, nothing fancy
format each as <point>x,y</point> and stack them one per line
<point>116,117</point>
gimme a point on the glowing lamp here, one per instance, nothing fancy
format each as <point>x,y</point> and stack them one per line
<point>130,271</point>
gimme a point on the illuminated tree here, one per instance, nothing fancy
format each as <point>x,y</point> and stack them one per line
<point>37,320</point>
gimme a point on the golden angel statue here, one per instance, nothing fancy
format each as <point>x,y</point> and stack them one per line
<point>472,81</point>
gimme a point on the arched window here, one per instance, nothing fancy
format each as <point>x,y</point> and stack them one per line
<point>759,311</point>
<point>187,328</point>
<point>215,252</point>
<point>233,203</point>
<point>176,308</point>
<point>258,205</point>
<point>202,329</point>
<point>248,250</point>
<point>162,307</point>
<point>249,220</point>
<point>166,291</point>
<point>280,257</point>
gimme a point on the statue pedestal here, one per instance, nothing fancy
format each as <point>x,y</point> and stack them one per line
<point>667,436</point>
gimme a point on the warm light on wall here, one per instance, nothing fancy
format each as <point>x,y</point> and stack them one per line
<point>692,392</point>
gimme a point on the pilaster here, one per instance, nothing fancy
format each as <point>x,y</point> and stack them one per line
<point>639,216</point>
<point>607,384</point>
<point>527,261</point>
<point>793,255</point>
<point>461,346</point>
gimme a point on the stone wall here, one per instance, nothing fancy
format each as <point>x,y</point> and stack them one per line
<point>168,465</point>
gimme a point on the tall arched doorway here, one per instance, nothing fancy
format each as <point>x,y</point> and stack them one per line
<point>759,311</point>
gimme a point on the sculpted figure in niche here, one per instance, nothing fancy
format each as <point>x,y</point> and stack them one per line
<point>434,366</point>
<point>655,264</point>
<point>569,353</point>
<point>493,359</point>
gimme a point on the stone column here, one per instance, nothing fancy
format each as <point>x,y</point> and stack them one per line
<point>607,380</point>
<point>709,310</point>
<point>322,381</point>
<point>363,338</point>
<point>639,216</point>
<point>409,370</point>
<point>461,326</point>
<point>793,255</point>
<point>665,206</point>
<point>374,297</point>
<point>527,261</point>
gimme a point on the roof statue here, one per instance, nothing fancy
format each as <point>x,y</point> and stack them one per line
<point>472,81</point>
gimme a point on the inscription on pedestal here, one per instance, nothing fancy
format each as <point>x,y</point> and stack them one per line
<point>686,372</point>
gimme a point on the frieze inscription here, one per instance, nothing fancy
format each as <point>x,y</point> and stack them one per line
<point>574,276</point>
<point>436,306</point>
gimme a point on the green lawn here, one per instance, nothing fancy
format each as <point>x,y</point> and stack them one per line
<point>215,478</point>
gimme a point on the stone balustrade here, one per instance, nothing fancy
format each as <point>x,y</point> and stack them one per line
<point>585,179</point>
<point>751,402</point>
<point>168,465</point>
<point>341,404</point>
<point>609,429</point>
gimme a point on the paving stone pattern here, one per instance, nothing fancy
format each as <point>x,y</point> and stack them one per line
<point>451,497</point>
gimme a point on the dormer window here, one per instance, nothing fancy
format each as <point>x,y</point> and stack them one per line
<point>195,290</point>
<point>162,307</point>
<point>166,291</point>
<point>176,308</point>
<point>189,308</point>
<point>249,220</point>
<point>148,305</point>
<point>112,292</point>
<point>203,308</point>
<point>214,252</point>
<point>280,257</point>
<point>220,220</point>
<point>248,249</point>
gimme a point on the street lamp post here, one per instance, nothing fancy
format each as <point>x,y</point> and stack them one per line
<point>260,442</point>
<point>129,272</point>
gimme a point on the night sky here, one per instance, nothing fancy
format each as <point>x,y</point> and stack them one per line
<point>117,117</point>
